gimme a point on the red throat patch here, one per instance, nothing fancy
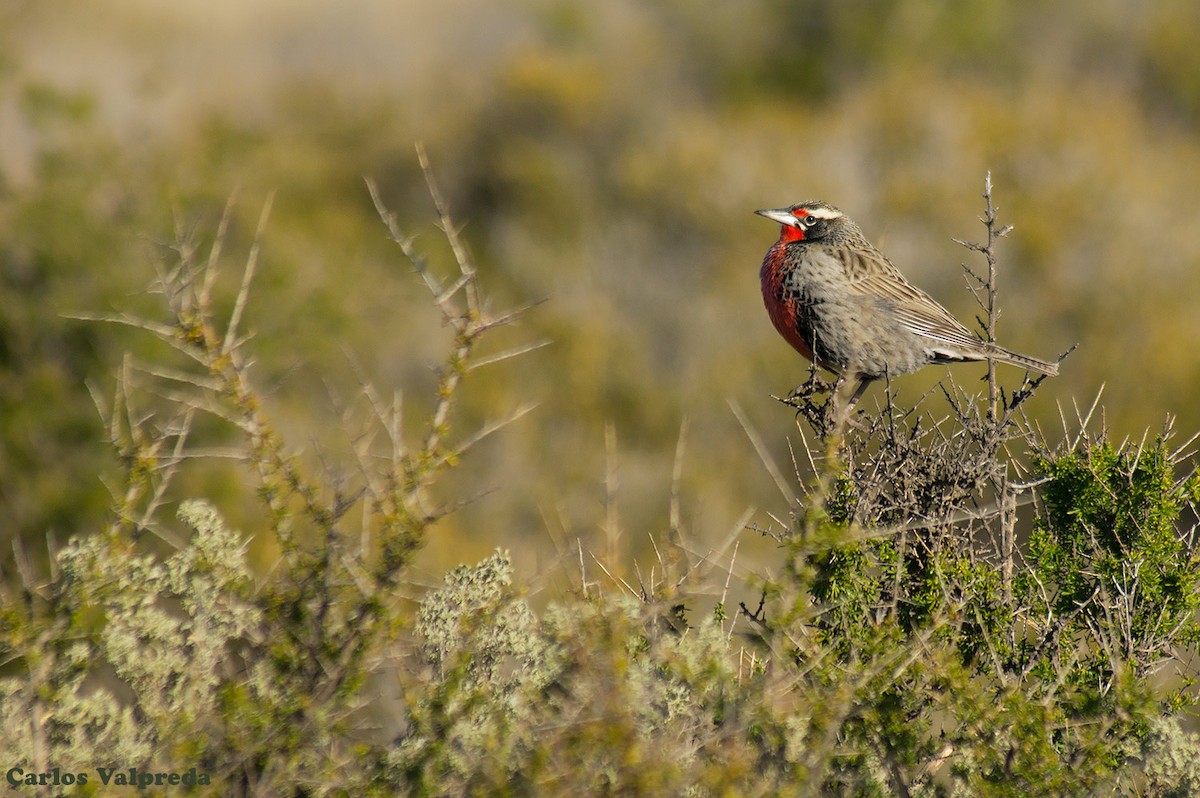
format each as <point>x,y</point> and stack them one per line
<point>789,234</point>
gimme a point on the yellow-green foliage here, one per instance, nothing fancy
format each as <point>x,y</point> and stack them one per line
<point>921,635</point>
<point>165,628</point>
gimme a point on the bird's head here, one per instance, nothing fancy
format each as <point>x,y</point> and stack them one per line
<point>808,221</point>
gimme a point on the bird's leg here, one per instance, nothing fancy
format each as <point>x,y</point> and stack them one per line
<point>858,392</point>
<point>840,410</point>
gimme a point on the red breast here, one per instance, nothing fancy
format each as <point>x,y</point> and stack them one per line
<point>775,269</point>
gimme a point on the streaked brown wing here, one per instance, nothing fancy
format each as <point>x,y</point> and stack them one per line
<point>872,274</point>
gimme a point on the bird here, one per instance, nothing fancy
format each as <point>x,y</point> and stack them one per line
<point>842,304</point>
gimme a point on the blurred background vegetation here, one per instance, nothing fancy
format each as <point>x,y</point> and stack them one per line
<point>605,158</point>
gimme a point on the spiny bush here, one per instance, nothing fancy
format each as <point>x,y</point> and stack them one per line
<point>962,657</point>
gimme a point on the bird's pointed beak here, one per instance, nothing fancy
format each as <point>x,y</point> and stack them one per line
<point>781,215</point>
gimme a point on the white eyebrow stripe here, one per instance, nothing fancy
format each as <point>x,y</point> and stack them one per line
<point>824,213</point>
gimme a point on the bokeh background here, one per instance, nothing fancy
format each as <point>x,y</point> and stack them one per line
<point>605,158</point>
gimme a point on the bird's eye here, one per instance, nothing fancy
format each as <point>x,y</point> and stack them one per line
<point>809,221</point>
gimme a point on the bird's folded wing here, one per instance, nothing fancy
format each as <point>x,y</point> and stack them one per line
<point>917,310</point>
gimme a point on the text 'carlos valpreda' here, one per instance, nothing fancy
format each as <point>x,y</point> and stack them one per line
<point>109,777</point>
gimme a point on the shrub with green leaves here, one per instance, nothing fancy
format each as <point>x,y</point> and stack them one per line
<point>1122,575</point>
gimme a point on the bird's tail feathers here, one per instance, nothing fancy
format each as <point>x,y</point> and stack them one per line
<point>993,352</point>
